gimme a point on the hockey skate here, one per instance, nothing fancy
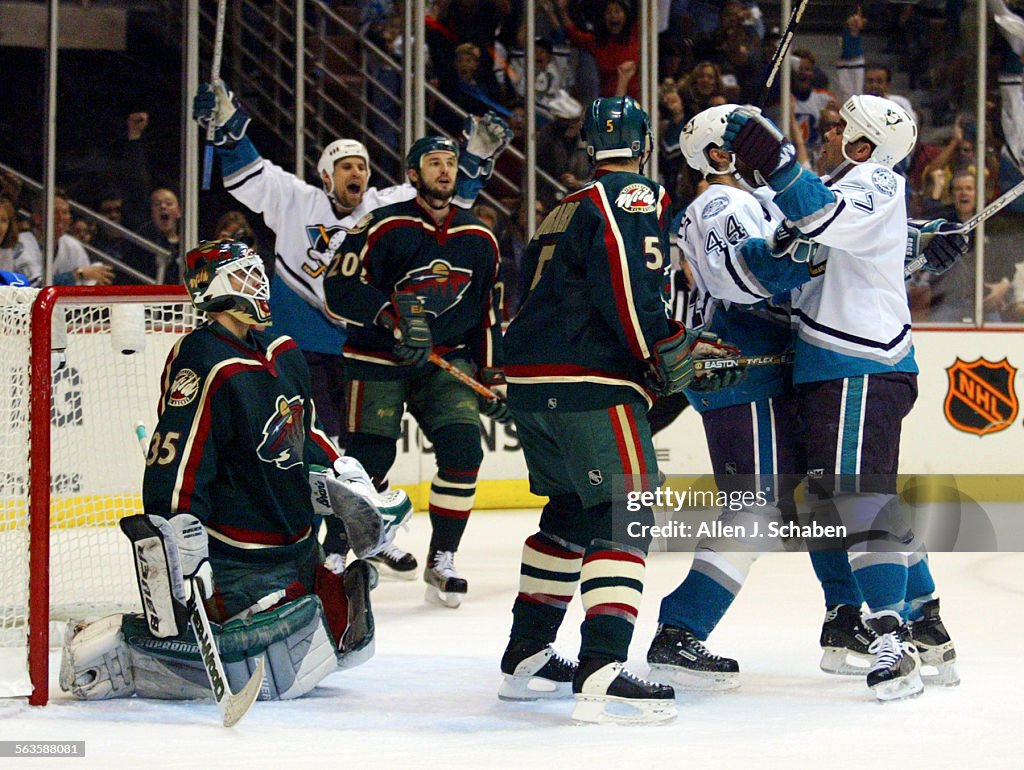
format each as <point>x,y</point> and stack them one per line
<point>394,562</point>
<point>678,658</point>
<point>444,586</point>
<point>608,694</point>
<point>896,671</point>
<point>936,648</point>
<point>845,641</point>
<point>535,673</point>
<point>357,641</point>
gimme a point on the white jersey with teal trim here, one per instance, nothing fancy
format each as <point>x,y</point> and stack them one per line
<point>852,316</point>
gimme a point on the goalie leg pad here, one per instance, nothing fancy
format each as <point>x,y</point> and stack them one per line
<point>294,641</point>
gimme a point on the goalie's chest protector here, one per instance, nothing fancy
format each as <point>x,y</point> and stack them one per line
<point>231,440</point>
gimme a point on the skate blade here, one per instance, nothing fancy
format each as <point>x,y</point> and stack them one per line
<point>528,688</point>
<point>945,674</point>
<point>387,571</point>
<point>436,596</point>
<point>698,681</point>
<point>899,689</point>
<point>357,657</point>
<point>609,710</point>
<point>844,662</point>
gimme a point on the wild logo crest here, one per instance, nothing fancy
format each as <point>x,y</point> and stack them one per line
<point>439,285</point>
<point>636,198</point>
<point>284,435</point>
<point>981,398</point>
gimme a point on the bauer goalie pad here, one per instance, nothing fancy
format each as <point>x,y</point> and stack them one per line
<point>166,553</point>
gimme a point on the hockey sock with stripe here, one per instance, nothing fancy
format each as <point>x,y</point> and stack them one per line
<point>548,576</point>
<point>611,585</point>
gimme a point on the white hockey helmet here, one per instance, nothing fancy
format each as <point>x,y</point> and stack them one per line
<point>883,123</point>
<point>704,130</point>
<point>335,151</point>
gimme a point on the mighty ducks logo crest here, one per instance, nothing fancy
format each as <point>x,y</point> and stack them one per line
<point>318,253</point>
<point>981,398</point>
<point>439,285</point>
<point>284,435</point>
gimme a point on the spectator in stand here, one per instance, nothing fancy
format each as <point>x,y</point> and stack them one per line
<point>949,298</point>
<point>959,154</point>
<point>615,42</point>
<point>71,264</point>
<point>234,226</point>
<point>10,249</point>
<point>735,49</point>
<point>83,230</point>
<point>107,239</point>
<point>560,150</point>
<point>809,101</point>
<point>547,80</point>
<point>467,91</point>
<point>162,229</point>
<point>701,89</point>
<point>670,159</point>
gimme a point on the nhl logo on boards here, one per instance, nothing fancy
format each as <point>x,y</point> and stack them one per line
<point>981,398</point>
<point>184,388</point>
<point>636,198</point>
<point>594,477</point>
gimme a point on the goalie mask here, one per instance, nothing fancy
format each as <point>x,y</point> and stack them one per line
<point>617,127</point>
<point>883,123</point>
<point>228,276</point>
<point>702,132</point>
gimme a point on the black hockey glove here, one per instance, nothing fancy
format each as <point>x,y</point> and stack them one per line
<point>760,144</point>
<point>939,242</point>
<point>717,364</point>
<point>495,408</point>
<point>221,106</point>
<point>407,321</point>
<point>671,367</point>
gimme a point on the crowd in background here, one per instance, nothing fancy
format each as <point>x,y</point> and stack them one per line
<point>711,52</point>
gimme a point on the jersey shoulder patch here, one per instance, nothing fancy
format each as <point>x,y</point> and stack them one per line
<point>884,181</point>
<point>636,198</point>
<point>184,388</point>
<point>714,207</point>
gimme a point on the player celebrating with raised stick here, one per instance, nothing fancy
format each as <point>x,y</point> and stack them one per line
<point>306,220</point>
<point>237,469</point>
<point>409,279</point>
<point>855,372</point>
<point>590,347</point>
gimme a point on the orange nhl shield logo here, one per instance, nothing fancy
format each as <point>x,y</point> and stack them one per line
<point>981,398</point>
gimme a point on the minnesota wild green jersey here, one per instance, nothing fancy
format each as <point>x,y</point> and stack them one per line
<point>598,298</point>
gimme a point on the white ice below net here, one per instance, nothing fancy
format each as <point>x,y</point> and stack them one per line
<point>428,698</point>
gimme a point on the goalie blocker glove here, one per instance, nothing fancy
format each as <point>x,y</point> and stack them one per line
<point>221,106</point>
<point>407,321</point>
<point>760,144</point>
<point>939,242</point>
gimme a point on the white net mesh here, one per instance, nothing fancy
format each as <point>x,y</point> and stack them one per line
<point>96,463</point>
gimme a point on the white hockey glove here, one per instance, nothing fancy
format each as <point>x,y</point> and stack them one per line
<point>221,106</point>
<point>170,554</point>
<point>486,138</point>
<point>369,517</point>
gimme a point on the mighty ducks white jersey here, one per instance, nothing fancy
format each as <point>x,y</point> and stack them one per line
<point>302,218</point>
<point>852,315</point>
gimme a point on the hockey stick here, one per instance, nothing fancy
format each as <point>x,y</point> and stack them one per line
<point>989,211</point>
<point>211,129</point>
<point>782,49</point>
<point>709,364</point>
<point>232,706</point>
<point>462,377</point>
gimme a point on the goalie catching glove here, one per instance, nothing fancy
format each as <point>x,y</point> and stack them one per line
<point>369,517</point>
<point>939,242</point>
<point>407,321</point>
<point>221,106</point>
<point>760,144</point>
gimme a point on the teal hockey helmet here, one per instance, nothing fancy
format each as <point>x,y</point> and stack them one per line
<point>228,276</point>
<point>426,145</point>
<point>616,127</point>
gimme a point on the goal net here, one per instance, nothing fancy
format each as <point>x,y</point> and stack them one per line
<point>79,371</point>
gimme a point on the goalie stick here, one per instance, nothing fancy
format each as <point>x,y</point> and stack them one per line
<point>462,377</point>
<point>989,211</point>
<point>233,706</point>
<point>710,364</point>
<point>211,130</point>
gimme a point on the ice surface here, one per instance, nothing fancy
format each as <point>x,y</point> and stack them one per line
<point>428,698</point>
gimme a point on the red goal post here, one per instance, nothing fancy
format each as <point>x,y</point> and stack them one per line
<point>82,471</point>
